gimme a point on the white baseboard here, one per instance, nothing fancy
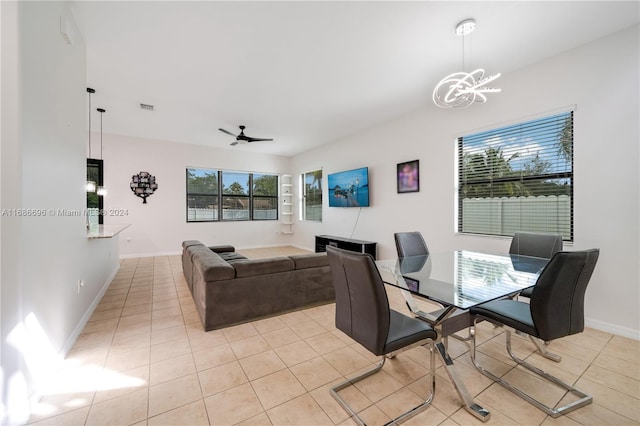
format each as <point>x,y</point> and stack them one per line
<point>613,329</point>
<point>35,394</point>
<point>87,315</point>
<point>161,253</point>
<point>311,249</point>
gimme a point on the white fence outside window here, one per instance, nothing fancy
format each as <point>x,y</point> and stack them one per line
<point>504,216</point>
<point>203,214</point>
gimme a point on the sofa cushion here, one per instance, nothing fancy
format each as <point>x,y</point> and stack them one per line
<point>311,260</point>
<point>253,267</point>
<point>191,250</point>
<point>222,249</point>
<point>211,266</point>
<point>231,257</point>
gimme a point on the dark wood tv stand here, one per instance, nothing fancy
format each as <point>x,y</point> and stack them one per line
<point>322,241</point>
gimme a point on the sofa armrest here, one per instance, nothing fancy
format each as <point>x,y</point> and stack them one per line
<point>211,266</point>
<point>191,243</point>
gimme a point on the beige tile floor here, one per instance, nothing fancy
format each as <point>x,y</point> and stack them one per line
<point>143,359</point>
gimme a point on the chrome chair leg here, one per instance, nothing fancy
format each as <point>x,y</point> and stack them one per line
<point>404,416</point>
<point>583,400</point>
<point>543,350</point>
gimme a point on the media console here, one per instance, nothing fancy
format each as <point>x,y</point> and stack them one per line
<point>322,241</point>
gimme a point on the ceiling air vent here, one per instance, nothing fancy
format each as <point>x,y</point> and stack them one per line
<point>146,107</point>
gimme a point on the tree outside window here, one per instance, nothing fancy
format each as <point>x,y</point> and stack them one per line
<point>312,195</point>
<point>237,195</point>
<point>518,178</point>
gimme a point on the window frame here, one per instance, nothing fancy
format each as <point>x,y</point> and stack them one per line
<point>564,118</point>
<point>220,195</point>
<point>274,198</point>
<point>99,165</point>
<point>303,199</point>
<point>236,196</point>
<point>216,196</point>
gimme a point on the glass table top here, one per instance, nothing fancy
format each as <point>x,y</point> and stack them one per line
<point>462,278</point>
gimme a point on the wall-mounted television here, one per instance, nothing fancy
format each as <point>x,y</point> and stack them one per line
<point>349,188</point>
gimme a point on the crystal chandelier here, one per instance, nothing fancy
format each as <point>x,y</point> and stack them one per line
<point>461,89</point>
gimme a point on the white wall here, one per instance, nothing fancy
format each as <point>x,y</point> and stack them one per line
<point>602,80</point>
<point>160,225</point>
<point>11,362</point>
<point>43,166</point>
<point>44,136</point>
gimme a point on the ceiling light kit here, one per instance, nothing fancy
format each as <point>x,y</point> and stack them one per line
<point>461,89</point>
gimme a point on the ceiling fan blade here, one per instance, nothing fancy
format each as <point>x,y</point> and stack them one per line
<point>241,138</point>
<point>257,139</point>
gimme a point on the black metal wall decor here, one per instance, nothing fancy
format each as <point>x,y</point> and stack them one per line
<point>143,184</point>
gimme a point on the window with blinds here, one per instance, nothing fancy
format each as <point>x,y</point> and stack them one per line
<point>518,178</point>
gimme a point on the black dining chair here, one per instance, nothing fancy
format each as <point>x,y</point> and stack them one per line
<point>363,313</point>
<point>410,244</point>
<point>536,245</point>
<point>556,310</point>
<point>413,255</point>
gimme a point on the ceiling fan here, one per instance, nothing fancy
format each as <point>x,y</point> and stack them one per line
<point>242,138</point>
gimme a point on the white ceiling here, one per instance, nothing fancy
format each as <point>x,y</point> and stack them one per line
<point>306,73</point>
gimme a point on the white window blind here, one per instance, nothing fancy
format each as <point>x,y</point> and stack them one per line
<point>518,178</point>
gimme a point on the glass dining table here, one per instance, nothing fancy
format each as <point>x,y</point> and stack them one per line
<point>457,281</point>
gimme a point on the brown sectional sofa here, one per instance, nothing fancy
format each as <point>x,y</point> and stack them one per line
<point>229,289</point>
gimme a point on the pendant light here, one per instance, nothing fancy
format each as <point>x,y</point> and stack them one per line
<point>102,191</point>
<point>462,89</point>
<point>90,185</point>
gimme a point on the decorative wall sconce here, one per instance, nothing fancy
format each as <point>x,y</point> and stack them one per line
<point>143,184</point>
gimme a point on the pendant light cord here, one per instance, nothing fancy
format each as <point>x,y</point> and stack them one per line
<point>89,124</point>
<point>90,91</point>
<point>101,111</point>
<point>101,135</point>
<point>466,53</point>
<point>101,188</point>
<point>464,67</point>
